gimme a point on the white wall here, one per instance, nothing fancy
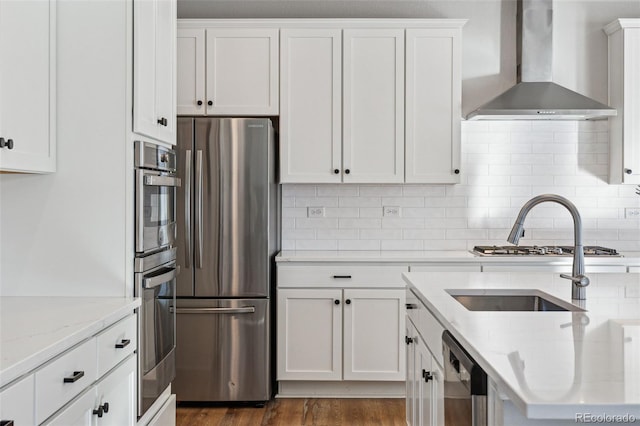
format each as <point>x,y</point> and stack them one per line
<point>488,49</point>
<point>503,165</point>
<point>67,233</point>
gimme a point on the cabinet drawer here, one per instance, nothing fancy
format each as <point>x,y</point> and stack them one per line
<point>431,331</point>
<point>17,403</point>
<point>116,343</point>
<point>341,276</point>
<point>52,392</point>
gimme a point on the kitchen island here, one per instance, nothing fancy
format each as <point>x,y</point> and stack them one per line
<point>543,367</point>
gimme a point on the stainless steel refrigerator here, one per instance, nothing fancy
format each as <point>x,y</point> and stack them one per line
<point>228,218</point>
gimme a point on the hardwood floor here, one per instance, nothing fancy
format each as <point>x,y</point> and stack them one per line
<point>299,412</point>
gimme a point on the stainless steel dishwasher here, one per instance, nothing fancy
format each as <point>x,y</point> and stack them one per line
<point>465,386</point>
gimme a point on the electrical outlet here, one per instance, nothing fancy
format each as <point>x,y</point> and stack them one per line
<point>391,211</point>
<point>632,213</point>
<point>315,211</point>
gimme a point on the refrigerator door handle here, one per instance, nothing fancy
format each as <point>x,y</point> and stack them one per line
<point>199,208</point>
<point>187,207</point>
<point>243,310</point>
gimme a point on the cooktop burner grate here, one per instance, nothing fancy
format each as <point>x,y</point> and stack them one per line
<point>542,251</point>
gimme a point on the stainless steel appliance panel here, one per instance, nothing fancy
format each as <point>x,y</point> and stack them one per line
<point>222,350</point>
<point>232,191</point>
<point>156,331</point>
<point>184,207</point>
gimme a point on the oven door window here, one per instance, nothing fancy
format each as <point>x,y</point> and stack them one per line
<point>159,206</point>
<point>158,322</point>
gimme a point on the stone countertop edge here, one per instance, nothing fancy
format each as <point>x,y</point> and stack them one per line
<point>455,318</point>
<point>33,330</point>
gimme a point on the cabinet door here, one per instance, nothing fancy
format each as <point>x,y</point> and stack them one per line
<point>117,395</point>
<point>412,379</point>
<point>374,334</point>
<point>154,69</point>
<point>309,334</point>
<point>437,394</point>
<point>17,402</point>
<point>242,71</point>
<point>373,101</point>
<point>27,85</point>
<point>433,106</point>
<point>78,413</point>
<point>311,106</point>
<point>190,54</point>
<point>425,395</point>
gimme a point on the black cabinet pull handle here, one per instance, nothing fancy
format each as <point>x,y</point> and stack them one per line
<point>456,171</point>
<point>408,340</point>
<point>209,103</point>
<point>199,103</point>
<point>411,306</point>
<point>627,171</point>
<point>77,375</point>
<point>6,143</point>
<point>426,375</point>
<point>347,171</point>
<point>348,301</point>
<point>337,302</point>
<point>345,277</point>
<point>123,343</point>
<point>336,171</point>
<point>98,412</point>
<point>105,407</point>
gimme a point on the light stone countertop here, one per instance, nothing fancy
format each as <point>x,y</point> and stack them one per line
<point>551,365</point>
<point>439,257</point>
<point>36,329</point>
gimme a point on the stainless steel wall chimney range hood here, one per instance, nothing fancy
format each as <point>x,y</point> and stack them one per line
<point>536,96</point>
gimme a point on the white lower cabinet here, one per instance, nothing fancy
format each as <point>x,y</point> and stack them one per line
<point>335,334</point>
<point>425,386</point>
<point>90,384</point>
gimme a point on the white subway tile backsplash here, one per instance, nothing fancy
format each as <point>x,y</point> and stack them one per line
<point>504,164</point>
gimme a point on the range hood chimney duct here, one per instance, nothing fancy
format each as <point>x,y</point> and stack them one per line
<point>536,96</point>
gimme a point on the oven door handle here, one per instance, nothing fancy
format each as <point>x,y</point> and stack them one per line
<point>160,279</point>
<point>153,180</point>
<point>243,310</point>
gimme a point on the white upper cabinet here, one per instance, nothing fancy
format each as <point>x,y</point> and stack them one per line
<point>154,28</point>
<point>624,95</point>
<point>433,102</point>
<point>27,86</point>
<point>227,71</point>
<point>311,105</point>
<point>190,92</point>
<point>242,71</point>
<point>373,99</point>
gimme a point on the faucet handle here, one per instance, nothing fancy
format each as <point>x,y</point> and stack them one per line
<point>579,280</point>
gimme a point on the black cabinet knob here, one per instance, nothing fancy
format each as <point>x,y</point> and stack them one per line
<point>348,301</point>
<point>8,143</point>
<point>105,407</point>
<point>199,103</point>
<point>98,412</point>
<point>408,340</point>
<point>209,103</point>
<point>336,171</point>
<point>162,121</point>
<point>337,302</point>
<point>427,375</point>
<point>456,171</point>
<point>627,171</point>
<point>347,171</point>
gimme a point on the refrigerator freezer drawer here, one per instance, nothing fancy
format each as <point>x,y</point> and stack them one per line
<point>222,351</point>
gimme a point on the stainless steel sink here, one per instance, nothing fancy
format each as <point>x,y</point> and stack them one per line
<point>510,300</point>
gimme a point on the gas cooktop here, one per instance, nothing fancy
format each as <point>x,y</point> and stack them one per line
<point>541,251</point>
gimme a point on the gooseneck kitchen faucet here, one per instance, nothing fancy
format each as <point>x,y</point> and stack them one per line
<point>578,279</point>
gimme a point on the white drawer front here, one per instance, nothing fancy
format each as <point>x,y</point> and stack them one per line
<point>341,276</point>
<point>17,403</point>
<point>431,331</point>
<point>51,390</point>
<point>116,343</point>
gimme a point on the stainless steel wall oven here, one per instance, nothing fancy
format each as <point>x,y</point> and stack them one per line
<point>155,269</point>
